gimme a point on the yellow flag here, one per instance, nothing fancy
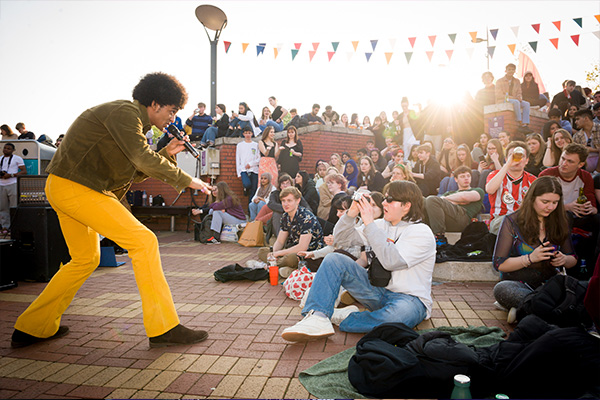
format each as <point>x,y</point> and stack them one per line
<point>355,44</point>
<point>276,52</point>
<point>388,57</point>
<point>473,36</point>
<point>244,47</point>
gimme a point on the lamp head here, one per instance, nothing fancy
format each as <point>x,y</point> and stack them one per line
<point>211,17</point>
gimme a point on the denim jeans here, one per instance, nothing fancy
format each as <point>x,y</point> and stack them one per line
<point>254,208</point>
<point>517,106</point>
<point>210,135</point>
<point>250,183</point>
<point>338,270</point>
<point>277,126</point>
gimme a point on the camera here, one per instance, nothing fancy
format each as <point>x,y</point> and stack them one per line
<point>359,194</point>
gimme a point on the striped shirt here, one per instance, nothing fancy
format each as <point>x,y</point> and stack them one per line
<point>510,188</point>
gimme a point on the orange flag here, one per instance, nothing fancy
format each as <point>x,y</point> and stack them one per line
<point>557,25</point>
<point>355,44</point>
<point>276,51</point>
<point>315,46</point>
<point>449,53</point>
<point>554,42</point>
<point>311,54</point>
<point>432,40</point>
<point>473,36</point>
<point>429,55</point>
<point>512,48</point>
<point>597,17</point>
<point>388,57</point>
<point>244,47</point>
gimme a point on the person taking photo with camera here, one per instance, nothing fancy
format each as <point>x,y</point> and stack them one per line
<point>401,247</point>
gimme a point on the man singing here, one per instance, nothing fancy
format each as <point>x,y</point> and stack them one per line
<point>102,154</point>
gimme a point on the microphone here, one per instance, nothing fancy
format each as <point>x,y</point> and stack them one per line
<point>173,130</point>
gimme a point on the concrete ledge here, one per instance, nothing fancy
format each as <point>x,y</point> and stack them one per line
<point>496,108</point>
<point>459,271</point>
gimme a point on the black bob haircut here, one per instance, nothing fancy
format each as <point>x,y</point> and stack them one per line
<point>162,88</point>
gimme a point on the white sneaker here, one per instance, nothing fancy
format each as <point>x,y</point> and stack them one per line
<point>340,314</point>
<point>312,327</point>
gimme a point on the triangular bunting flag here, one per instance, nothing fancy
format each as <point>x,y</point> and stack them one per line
<point>276,51</point>
<point>470,52</point>
<point>449,53</point>
<point>575,39</point>
<point>432,40</point>
<point>335,45</point>
<point>227,44</point>
<point>260,48</point>
<point>494,33</point>
<point>429,55</point>
<point>408,55</point>
<point>316,46</point>
<point>597,17</point>
<point>515,30</point>
<point>512,48</point>
<point>311,54</point>
<point>597,33</point>
<point>355,44</point>
<point>473,36</point>
<point>452,37</point>
<point>412,41</point>
<point>349,54</point>
<point>392,43</point>
<point>368,55</point>
<point>579,22</point>
<point>536,27</point>
<point>554,42</point>
<point>533,46</point>
<point>244,47</point>
<point>388,57</point>
<point>294,53</point>
<point>374,44</point>
<point>330,54</point>
<point>557,25</point>
<point>491,50</point>
<point>297,46</point>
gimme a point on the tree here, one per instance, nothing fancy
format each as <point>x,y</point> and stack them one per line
<point>592,77</point>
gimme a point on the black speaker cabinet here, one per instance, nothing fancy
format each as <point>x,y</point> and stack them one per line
<point>39,245</point>
<point>8,270</point>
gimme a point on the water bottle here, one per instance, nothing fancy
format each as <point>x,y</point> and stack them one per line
<point>150,200</point>
<point>144,198</point>
<point>461,387</point>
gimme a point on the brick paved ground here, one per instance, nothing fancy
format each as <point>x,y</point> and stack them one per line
<point>106,353</point>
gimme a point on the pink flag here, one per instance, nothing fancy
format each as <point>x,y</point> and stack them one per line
<point>525,64</point>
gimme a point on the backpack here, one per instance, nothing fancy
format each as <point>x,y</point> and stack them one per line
<point>298,122</point>
<point>559,301</point>
<point>202,231</point>
<point>235,272</point>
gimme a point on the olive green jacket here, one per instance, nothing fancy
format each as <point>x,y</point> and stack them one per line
<point>105,149</point>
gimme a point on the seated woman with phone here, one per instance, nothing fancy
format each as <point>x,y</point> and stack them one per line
<point>533,244</point>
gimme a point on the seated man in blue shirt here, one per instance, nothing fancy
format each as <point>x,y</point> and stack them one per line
<point>199,122</point>
<point>313,117</point>
<point>300,231</point>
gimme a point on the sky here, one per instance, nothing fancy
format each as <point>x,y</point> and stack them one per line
<point>62,57</point>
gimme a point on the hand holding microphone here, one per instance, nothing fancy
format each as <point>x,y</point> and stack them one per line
<point>173,130</point>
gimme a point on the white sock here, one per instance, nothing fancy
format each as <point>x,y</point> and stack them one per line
<point>320,314</point>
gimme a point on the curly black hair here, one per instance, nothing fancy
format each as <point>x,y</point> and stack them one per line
<point>162,88</point>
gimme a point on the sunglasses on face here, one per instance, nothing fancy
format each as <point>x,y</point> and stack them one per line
<point>389,199</point>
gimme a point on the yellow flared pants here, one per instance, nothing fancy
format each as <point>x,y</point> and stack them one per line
<point>83,213</point>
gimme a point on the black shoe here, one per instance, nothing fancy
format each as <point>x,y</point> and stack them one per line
<point>178,335</point>
<point>22,339</point>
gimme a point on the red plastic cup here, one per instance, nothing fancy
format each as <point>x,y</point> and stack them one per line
<point>274,275</point>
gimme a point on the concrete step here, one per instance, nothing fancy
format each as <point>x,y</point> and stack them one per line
<point>460,271</point>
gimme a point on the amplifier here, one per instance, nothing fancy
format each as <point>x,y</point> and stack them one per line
<point>30,191</point>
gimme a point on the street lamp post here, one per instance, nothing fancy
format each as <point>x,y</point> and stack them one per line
<point>212,18</point>
<point>487,53</point>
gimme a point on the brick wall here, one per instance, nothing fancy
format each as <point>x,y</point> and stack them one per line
<point>319,142</point>
<point>537,118</point>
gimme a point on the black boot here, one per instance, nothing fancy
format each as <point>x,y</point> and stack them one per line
<point>22,339</point>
